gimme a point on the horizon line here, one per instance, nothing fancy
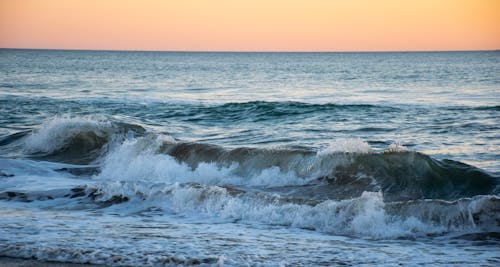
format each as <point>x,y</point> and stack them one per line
<point>250,51</point>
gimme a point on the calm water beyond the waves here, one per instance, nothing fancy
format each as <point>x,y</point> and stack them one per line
<point>236,159</point>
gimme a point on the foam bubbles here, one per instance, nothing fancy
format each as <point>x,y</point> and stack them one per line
<point>351,145</point>
<point>364,216</point>
<point>396,147</point>
<point>139,160</point>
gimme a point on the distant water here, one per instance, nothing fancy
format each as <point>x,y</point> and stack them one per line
<point>162,158</point>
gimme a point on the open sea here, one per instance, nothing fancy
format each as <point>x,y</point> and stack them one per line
<point>250,159</point>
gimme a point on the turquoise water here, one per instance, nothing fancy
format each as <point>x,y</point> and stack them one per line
<point>250,158</point>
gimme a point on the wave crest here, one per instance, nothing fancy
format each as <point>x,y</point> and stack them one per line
<point>399,175</point>
<point>367,216</point>
<point>71,139</point>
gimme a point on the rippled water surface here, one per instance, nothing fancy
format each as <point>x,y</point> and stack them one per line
<point>162,158</point>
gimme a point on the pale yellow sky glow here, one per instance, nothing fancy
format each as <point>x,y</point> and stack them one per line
<point>232,25</point>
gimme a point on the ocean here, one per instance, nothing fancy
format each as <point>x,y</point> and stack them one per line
<point>250,159</point>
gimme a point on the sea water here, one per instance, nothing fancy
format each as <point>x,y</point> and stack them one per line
<point>238,159</point>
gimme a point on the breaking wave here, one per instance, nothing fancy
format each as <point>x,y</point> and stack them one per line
<point>76,140</point>
<point>368,215</point>
<point>344,188</point>
<point>129,152</point>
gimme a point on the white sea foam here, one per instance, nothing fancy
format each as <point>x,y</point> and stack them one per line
<point>364,216</point>
<point>148,179</point>
<point>136,171</point>
<point>138,160</point>
<point>396,147</point>
<point>343,145</point>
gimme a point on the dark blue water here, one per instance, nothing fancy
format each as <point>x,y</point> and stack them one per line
<point>243,158</point>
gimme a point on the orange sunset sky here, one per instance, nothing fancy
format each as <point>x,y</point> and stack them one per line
<point>257,25</point>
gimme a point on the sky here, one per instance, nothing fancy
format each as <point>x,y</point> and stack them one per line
<point>251,25</point>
